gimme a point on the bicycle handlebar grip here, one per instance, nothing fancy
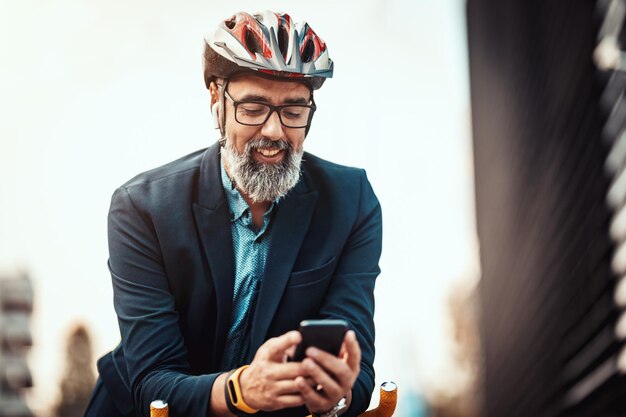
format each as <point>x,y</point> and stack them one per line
<point>159,408</point>
<point>388,401</point>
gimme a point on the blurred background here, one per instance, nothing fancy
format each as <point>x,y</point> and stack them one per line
<point>93,93</point>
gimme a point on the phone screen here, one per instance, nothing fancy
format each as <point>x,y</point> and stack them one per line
<point>326,335</point>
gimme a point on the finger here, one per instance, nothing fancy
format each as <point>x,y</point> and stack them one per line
<point>353,350</point>
<point>288,401</point>
<point>287,370</point>
<point>290,352</point>
<point>332,388</point>
<point>274,349</point>
<point>337,368</point>
<point>285,387</point>
<point>315,401</point>
<point>343,353</point>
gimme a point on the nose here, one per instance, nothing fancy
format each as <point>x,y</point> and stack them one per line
<point>272,128</point>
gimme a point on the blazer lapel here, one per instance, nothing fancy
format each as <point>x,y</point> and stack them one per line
<point>290,223</point>
<point>212,218</point>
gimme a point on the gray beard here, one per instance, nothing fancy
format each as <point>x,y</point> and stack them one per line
<point>263,182</point>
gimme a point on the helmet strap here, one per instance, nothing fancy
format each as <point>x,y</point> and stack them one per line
<point>308,125</point>
<point>223,124</point>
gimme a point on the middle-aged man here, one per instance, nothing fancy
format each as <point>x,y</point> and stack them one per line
<point>216,257</point>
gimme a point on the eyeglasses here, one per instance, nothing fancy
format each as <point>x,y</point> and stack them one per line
<point>256,113</point>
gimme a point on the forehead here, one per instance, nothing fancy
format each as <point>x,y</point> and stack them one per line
<point>273,90</point>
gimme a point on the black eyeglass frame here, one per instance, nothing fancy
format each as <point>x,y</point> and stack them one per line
<point>273,109</point>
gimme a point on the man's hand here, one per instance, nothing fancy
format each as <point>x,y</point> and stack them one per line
<point>269,383</point>
<point>332,377</point>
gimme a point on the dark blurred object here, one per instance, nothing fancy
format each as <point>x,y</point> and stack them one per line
<point>78,378</point>
<point>16,305</point>
<point>545,121</point>
<point>465,400</point>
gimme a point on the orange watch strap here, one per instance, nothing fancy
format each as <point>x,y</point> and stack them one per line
<point>235,394</point>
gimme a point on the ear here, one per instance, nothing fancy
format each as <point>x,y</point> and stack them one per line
<point>214,92</point>
<point>216,111</point>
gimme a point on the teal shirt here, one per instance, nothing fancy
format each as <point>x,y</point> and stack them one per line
<point>250,249</point>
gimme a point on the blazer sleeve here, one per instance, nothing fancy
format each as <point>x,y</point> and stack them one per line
<point>155,354</point>
<point>351,293</point>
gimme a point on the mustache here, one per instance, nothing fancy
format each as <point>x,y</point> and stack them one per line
<point>266,143</point>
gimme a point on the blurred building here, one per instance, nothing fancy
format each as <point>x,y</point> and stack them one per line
<point>465,399</point>
<point>16,304</point>
<point>78,377</point>
<point>547,87</point>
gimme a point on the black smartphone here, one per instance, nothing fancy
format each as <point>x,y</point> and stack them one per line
<point>323,334</point>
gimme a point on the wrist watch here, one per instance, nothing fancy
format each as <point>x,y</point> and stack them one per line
<point>333,412</point>
<point>234,396</point>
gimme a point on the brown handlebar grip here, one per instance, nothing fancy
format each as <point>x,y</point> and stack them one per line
<point>388,401</point>
<point>159,408</point>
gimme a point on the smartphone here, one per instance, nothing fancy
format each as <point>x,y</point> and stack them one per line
<point>323,334</point>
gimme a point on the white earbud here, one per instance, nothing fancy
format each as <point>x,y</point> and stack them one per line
<point>216,122</point>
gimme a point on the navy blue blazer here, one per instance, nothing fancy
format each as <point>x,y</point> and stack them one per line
<point>171,262</point>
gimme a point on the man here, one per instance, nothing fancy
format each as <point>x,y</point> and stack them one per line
<point>216,257</point>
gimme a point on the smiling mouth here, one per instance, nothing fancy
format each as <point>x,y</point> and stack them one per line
<point>269,152</point>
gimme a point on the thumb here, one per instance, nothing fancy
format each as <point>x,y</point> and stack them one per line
<point>275,349</point>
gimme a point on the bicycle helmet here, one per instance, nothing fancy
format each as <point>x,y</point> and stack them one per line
<point>267,44</point>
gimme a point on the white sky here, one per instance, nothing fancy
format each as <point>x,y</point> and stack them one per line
<point>93,93</point>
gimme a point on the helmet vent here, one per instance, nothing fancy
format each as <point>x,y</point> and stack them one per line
<point>282,40</point>
<point>230,23</point>
<point>307,52</point>
<point>252,44</point>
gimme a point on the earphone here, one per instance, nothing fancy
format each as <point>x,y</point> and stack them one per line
<point>216,122</point>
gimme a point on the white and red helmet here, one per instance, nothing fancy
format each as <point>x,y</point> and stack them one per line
<point>267,43</point>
